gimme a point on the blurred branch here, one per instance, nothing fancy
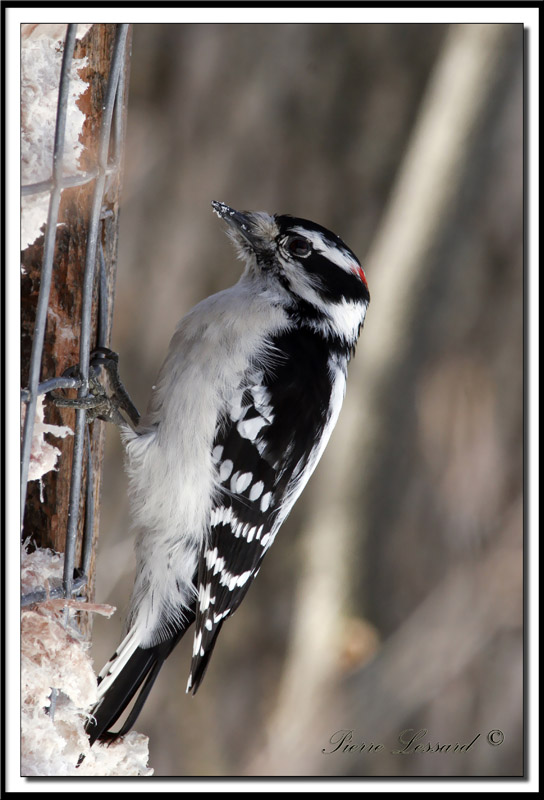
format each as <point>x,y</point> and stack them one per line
<point>451,626</point>
<point>398,266</point>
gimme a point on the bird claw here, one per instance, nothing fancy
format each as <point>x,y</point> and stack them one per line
<point>98,403</point>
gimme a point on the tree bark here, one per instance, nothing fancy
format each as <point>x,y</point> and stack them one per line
<point>46,510</point>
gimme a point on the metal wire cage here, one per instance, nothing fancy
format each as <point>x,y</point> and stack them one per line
<point>85,203</point>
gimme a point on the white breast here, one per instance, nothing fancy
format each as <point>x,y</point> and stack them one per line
<point>172,474</point>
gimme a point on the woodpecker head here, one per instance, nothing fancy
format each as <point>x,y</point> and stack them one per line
<point>309,262</point>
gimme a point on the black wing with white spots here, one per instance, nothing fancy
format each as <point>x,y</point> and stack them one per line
<point>263,451</point>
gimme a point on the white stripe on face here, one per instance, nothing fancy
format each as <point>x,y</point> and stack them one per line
<point>337,255</point>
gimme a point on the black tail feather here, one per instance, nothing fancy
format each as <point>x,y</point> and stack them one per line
<point>141,670</point>
<point>142,697</point>
<point>122,691</point>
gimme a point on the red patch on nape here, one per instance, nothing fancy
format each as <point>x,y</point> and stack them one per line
<point>361,273</point>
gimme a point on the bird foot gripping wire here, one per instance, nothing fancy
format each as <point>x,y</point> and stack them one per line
<point>98,403</point>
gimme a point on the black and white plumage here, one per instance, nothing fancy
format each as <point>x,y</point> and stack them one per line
<point>242,410</point>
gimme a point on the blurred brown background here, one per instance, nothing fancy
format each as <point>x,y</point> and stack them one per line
<point>409,615</point>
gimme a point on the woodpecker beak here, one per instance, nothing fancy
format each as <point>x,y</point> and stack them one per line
<point>236,219</point>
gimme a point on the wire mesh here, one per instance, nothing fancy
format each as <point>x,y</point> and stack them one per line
<point>108,163</point>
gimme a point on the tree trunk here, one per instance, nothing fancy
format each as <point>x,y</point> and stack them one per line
<point>46,511</point>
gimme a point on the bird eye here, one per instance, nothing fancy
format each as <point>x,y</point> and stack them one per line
<point>298,246</point>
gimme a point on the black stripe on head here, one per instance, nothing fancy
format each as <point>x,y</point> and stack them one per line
<point>334,283</point>
<point>286,223</point>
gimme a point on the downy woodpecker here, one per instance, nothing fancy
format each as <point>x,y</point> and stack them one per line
<point>240,414</point>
